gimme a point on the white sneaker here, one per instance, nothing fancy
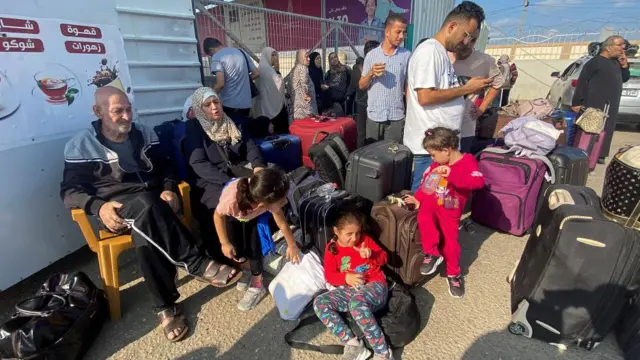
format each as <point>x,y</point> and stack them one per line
<point>355,352</point>
<point>243,283</point>
<point>252,298</point>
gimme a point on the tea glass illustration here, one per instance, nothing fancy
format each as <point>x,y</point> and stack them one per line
<point>54,88</point>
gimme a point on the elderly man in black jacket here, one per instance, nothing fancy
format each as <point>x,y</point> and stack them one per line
<point>114,170</point>
<point>600,82</point>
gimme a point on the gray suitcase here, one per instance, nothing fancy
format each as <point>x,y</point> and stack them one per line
<point>379,169</point>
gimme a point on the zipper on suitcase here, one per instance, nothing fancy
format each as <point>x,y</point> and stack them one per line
<point>525,168</point>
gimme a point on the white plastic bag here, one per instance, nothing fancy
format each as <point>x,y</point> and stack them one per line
<point>296,285</point>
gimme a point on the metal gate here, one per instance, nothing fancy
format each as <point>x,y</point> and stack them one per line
<point>252,27</point>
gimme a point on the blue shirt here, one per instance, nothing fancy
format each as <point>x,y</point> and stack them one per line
<point>236,92</point>
<point>371,34</point>
<point>386,93</point>
<point>385,7</point>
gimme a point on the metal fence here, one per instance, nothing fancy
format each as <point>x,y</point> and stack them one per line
<point>549,45</point>
<point>252,27</point>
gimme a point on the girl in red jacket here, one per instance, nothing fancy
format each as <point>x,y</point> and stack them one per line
<point>443,193</point>
<point>352,262</point>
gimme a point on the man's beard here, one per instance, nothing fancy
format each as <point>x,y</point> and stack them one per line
<point>124,128</point>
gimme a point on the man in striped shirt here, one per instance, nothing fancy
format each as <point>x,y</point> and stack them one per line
<point>384,74</point>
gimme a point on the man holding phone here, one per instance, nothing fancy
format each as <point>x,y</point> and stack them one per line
<point>474,63</point>
<point>434,96</point>
<point>384,75</point>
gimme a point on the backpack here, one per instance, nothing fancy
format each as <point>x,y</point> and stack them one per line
<point>171,135</point>
<point>330,157</point>
<point>399,320</point>
<point>528,136</point>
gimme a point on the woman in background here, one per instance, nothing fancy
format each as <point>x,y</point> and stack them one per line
<point>270,103</point>
<point>317,76</point>
<point>300,89</point>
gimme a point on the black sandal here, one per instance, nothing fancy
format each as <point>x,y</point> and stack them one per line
<point>176,322</point>
<point>220,275</point>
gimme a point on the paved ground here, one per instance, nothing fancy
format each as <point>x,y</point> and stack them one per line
<point>470,328</point>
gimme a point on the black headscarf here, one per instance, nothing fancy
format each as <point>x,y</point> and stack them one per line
<point>315,72</point>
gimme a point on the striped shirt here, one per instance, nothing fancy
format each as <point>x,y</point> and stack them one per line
<point>386,93</point>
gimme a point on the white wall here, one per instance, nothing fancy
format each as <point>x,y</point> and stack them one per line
<point>35,228</point>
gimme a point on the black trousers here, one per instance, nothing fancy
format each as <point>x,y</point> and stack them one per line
<point>155,218</point>
<point>281,122</point>
<point>233,111</point>
<point>245,239</point>
<point>361,123</point>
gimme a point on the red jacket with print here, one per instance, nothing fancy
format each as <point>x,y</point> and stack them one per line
<point>462,180</point>
<point>348,260</point>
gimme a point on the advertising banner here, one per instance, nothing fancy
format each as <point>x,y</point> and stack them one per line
<point>49,71</point>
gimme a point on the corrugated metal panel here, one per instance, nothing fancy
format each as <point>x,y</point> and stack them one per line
<point>483,39</point>
<point>161,48</point>
<point>427,17</point>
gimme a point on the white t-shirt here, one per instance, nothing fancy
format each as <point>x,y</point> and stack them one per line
<point>429,68</point>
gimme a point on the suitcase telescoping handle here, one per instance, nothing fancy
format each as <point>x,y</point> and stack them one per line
<point>281,144</point>
<point>315,137</point>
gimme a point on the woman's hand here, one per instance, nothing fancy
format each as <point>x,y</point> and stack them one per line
<point>324,87</point>
<point>354,279</point>
<point>229,251</point>
<point>293,254</point>
<point>307,98</point>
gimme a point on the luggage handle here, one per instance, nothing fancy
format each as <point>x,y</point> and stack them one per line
<point>320,118</point>
<point>281,144</point>
<point>21,310</point>
<point>271,138</point>
<point>315,137</point>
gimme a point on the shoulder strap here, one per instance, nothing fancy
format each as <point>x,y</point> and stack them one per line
<point>325,349</point>
<point>544,159</point>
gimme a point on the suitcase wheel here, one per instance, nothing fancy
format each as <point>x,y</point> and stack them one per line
<point>516,328</point>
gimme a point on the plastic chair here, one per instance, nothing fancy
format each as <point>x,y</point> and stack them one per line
<point>109,246</point>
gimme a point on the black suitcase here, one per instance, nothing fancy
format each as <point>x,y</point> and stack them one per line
<point>571,166</point>
<point>318,215</point>
<point>628,330</point>
<point>379,169</point>
<point>329,157</point>
<point>575,273</point>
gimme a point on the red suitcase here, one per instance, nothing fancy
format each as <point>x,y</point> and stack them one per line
<point>310,129</point>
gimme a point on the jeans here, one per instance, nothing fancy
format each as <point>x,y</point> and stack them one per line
<point>467,143</point>
<point>420,164</point>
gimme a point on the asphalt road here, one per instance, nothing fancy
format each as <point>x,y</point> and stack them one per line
<point>470,328</point>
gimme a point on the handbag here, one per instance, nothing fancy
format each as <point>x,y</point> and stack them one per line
<point>59,323</point>
<point>236,170</point>
<point>254,89</point>
<point>593,120</point>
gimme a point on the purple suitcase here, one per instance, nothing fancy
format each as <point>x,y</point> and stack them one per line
<point>512,185</point>
<point>591,143</point>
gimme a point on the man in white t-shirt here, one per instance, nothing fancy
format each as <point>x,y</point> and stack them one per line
<point>474,63</point>
<point>434,97</point>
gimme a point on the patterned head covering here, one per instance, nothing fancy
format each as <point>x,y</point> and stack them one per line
<point>220,131</point>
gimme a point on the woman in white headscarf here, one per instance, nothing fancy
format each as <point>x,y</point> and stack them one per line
<point>300,89</point>
<point>215,152</point>
<point>270,103</point>
<point>505,71</point>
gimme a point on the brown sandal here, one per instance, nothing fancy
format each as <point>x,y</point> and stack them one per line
<point>176,322</point>
<point>220,275</point>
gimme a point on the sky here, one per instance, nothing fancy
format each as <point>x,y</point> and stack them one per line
<point>547,17</point>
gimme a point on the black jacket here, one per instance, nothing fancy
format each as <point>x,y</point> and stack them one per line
<point>208,168</point>
<point>92,174</point>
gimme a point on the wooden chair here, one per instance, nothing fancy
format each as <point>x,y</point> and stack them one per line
<point>109,246</point>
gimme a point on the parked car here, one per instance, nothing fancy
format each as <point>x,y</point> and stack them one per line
<point>561,92</point>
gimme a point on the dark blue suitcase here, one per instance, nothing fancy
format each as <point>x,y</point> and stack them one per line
<point>282,150</point>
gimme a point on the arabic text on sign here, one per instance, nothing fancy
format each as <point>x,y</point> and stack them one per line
<point>83,47</point>
<point>21,45</point>
<point>80,31</point>
<point>9,25</point>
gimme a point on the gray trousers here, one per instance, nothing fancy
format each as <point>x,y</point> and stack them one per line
<point>386,130</point>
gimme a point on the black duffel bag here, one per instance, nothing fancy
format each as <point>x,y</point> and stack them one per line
<point>59,322</point>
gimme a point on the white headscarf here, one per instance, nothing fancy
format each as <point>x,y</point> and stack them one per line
<point>271,86</point>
